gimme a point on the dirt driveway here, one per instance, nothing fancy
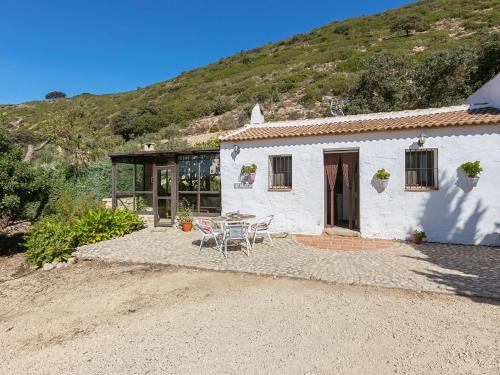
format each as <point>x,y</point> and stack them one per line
<point>98,318</point>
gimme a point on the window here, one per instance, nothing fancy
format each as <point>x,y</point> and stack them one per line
<point>421,169</point>
<point>199,183</point>
<point>280,172</point>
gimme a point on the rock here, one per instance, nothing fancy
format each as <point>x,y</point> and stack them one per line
<point>47,266</point>
<point>71,260</point>
<point>60,265</point>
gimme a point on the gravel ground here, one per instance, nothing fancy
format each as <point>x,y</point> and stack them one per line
<point>102,318</point>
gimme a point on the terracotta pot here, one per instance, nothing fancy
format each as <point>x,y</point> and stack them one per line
<point>186,227</point>
<point>417,240</point>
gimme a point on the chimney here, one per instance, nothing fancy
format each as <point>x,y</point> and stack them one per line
<point>150,146</point>
<point>257,116</point>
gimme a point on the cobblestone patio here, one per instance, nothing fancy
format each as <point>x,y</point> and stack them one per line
<point>465,270</point>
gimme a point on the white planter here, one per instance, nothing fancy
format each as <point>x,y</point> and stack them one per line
<point>381,185</point>
<point>473,181</point>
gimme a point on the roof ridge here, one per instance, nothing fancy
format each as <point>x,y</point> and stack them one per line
<point>449,116</point>
<point>365,116</point>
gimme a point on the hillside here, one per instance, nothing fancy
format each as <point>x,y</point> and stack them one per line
<point>294,78</point>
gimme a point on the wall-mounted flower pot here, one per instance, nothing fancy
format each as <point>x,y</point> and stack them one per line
<point>472,181</point>
<point>383,183</point>
<point>251,178</point>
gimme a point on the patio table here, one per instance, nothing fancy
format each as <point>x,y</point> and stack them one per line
<point>240,217</point>
<point>219,220</point>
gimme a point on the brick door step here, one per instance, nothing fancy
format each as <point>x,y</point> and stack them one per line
<point>343,232</point>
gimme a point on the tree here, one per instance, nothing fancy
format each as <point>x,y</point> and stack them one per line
<point>55,95</point>
<point>72,131</point>
<point>488,60</point>
<point>408,24</point>
<point>121,124</point>
<point>385,84</point>
<point>147,119</point>
<point>445,77</point>
<point>20,183</point>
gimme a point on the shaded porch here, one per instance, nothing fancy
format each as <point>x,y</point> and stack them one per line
<point>155,182</point>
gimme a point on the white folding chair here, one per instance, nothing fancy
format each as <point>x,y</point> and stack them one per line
<point>262,226</point>
<point>207,230</point>
<point>236,231</point>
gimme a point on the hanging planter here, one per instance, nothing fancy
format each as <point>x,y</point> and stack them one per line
<point>472,171</point>
<point>248,173</point>
<point>382,178</point>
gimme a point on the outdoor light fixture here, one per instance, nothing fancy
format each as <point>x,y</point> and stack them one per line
<point>421,139</point>
<point>236,149</point>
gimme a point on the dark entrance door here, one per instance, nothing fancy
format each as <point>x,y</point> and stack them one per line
<point>164,194</point>
<point>342,189</point>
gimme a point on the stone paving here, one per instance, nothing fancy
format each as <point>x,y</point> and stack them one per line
<point>464,270</point>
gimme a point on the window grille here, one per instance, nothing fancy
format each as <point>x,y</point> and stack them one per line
<point>421,169</point>
<point>280,176</point>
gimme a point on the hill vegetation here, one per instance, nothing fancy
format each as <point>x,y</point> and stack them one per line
<point>429,53</point>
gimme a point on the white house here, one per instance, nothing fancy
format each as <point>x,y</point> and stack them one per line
<point>312,174</point>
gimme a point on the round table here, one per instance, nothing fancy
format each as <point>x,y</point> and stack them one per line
<point>241,217</point>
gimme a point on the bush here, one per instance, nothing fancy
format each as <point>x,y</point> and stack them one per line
<point>382,174</point>
<point>472,169</point>
<point>103,224</point>
<point>217,108</point>
<point>55,95</point>
<point>20,184</point>
<point>343,28</point>
<point>49,240</point>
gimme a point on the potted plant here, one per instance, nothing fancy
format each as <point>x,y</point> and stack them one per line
<point>248,172</point>
<point>251,173</point>
<point>383,177</point>
<point>472,170</point>
<point>418,236</point>
<point>185,215</point>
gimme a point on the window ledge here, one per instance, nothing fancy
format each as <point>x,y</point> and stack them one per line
<point>279,189</point>
<point>421,189</point>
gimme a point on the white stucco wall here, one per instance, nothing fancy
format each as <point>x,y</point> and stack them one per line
<point>454,213</point>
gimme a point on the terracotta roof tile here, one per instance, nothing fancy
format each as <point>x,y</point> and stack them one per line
<point>479,116</point>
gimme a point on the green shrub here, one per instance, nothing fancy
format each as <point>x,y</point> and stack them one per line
<point>48,240</point>
<point>209,143</point>
<point>185,213</point>
<point>420,233</point>
<point>382,174</point>
<point>104,224</point>
<point>21,183</point>
<point>219,107</point>
<point>343,28</point>
<point>472,169</point>
<point>68,207</point>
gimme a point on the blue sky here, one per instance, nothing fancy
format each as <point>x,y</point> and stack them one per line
<point>118,45</point>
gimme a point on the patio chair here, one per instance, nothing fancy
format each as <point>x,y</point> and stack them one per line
<point>236,231</point>
<point>262,226</point>
<point>207,230</point>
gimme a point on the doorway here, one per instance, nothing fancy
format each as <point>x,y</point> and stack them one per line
<point>164,195</point>
<point>342,189</point>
